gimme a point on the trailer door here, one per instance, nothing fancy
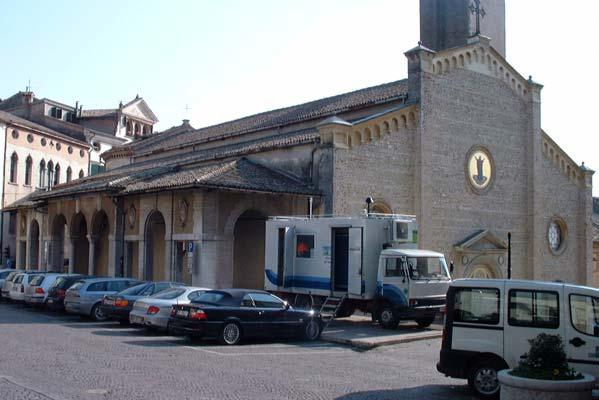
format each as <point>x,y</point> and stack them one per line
<point>286,256</point>
<point>354,264</point>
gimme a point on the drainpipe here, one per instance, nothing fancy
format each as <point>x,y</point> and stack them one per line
<point>172,242</point>
<point>3,193</point>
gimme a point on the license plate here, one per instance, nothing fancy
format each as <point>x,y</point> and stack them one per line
<point>182,313</point>
<point>109,302</point>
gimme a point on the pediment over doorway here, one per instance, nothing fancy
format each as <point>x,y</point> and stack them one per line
<point>481,241</point>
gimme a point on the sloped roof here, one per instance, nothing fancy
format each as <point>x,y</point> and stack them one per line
<point>97,113</point>
<point>13,101</point>
<point>280,117</point>
<point>11,118</point>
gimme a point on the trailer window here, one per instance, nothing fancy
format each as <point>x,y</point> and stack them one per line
<point>533,308</point>
<point>584,312</point>
<point>393,267</point>
<point>476,306</point>
<point>305,246</point>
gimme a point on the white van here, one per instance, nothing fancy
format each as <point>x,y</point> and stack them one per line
<point>489,322</point>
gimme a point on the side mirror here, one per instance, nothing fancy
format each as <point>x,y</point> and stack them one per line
<point>286,305</point>
<point>451,268</point>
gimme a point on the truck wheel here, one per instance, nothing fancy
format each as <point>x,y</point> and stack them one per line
<point>388,317</point>
<point>483,380</point>
<point>425,322</point>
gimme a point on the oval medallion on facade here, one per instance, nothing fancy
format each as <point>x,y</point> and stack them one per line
<point>556,235</point>
<point>480,169</point>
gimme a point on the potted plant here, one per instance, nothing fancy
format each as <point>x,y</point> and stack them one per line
<point>544,373</point>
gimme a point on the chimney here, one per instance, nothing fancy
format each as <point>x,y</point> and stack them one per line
<point>28,97</point>
<point>185,122</point>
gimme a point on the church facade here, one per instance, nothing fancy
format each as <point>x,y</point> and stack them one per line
<point>459,144</point>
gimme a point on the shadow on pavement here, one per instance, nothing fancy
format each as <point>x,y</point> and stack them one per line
<point>166,342</point>
<point>428,392</point>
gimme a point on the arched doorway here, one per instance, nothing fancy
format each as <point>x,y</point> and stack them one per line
<point>481,271</point>
<point>99,236</point>
<point>154,237</point>
<point>34,245</point>
<point>80,244</point>
<point>56,250</point>
<point>248,252</point>
<point>380,207</point>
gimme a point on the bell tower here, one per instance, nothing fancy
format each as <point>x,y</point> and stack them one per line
<point>449,23</point>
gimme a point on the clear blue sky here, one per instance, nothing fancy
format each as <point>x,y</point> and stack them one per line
<point>227,59</point>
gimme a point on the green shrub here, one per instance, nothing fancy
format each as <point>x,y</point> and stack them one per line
<point>546,359</point>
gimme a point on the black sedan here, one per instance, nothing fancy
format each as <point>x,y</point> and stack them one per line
<point>233,314</point>
<point>57,292</point>
<point>118,306</point>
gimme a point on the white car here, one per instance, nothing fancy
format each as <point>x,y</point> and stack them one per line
<point>153,312</point>
<point>489,322</point>
<point>7,283</point>
<point>20,284</point>
<point>37,292</point>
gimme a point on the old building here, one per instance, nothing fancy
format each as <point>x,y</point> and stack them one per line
<point>101,128</point>
<point>35,158</point>
<point>458,143</point>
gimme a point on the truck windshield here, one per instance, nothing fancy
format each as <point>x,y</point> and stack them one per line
<point>427,268</point>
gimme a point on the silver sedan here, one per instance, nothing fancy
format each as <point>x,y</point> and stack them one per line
<point>153,312</point>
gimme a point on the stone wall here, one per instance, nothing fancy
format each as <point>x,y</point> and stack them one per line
<point>459,110</point>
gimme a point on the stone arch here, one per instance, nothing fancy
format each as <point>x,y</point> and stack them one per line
<point>468,57</point>
<point>395,123</point>
<point>248,250</point>
<point>57,242</point>
<point>439,67</point>
<point>386,129</point>
<point>367,135</point>
<point>34,245</point>
<point>404,121</point>
<point>356,138</point>
<point>461,60</point>
<point>475,55</point>
<point>412,119</point>
<point>482,271</point>
<point>80,244</point>
<point>100,229</point>
<point>454,62</point>
<point>155,236</point>
<point>446,67</point>
<point>377,132</point>
<point>381,207</point>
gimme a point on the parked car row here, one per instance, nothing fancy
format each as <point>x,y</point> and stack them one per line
<point>230,315</point>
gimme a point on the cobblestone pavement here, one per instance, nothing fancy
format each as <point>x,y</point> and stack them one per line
<point>53,356</point>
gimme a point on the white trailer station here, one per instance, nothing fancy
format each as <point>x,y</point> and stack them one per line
<point>368,262</point>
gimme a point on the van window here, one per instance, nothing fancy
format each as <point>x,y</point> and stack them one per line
<point>393,267</point>
<point>533,308</point>
<point>584,312</point>
<point>476,306</point>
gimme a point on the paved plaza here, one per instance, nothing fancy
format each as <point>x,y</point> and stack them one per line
<point>53,356</point>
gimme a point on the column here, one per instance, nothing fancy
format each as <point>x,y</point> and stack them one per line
<point>141,269</point>
<point>112,263</point>
<point>72,254</point>
<point>168,258</point>
<point>92,253</point>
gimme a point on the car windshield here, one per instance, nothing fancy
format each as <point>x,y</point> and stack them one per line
<point>133,290</point>
<point>37,280</point>
<point>210,297</point>
<point>168,294</point>
<point>4,274</point>
<point>427,268</point>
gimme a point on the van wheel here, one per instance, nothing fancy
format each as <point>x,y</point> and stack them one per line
<point>425,322</point>
<point>388,317</point>
<point>230,334</point>
<point>483,380</point>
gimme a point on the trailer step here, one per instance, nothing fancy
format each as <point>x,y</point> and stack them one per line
<point>328,309</point>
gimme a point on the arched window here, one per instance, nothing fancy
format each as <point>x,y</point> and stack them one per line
<point>129,128</point>
<point>136,130</point>
<point>14,160</point>
<point>80,174</point>
<point>144,131</point>
<point>57,174</point>
<point>69,174</point>
<point>42,176</point>
<point>28,166</point>
<point>50,178</point>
